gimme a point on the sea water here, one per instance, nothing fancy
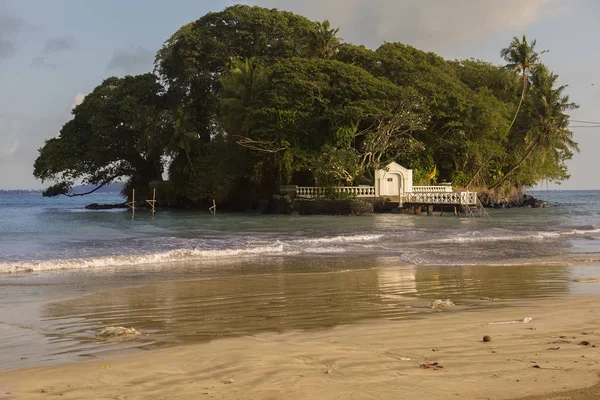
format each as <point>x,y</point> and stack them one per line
<point>187,276</point>
<point>40,234</point>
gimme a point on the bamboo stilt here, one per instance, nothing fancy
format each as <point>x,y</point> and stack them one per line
<point>131,205</point>
<point>152,202</point>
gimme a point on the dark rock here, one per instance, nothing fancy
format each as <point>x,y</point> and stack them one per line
<point>96,206</point>
<point>282,205</point>
<point>333,207</point>
<point>525,200</point>
<point>263,206</point>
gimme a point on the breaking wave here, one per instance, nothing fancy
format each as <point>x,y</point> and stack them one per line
<point>344,239</point>
<point>476,237</point>
<point>139,259</point>
<point>324,245</point>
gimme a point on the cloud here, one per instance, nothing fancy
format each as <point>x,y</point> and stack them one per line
<point>41,62</point>
<point>132,60</point>
<point>22,136</point>
<point>432,25</point>
<point>58,44</point>
<point>10,29</point>
<point>79,97</point>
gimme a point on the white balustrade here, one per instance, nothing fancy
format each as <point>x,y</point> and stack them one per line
<point>468,198</point>
<point>419,195</point>
<point>356,191</point>
<point>432,189</point>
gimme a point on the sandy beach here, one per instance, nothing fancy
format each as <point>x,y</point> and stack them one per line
<point>369,360</point>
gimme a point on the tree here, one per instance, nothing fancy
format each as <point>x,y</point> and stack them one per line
<point>192,61</point>
<point>521,58</point>
<point>117,132</point>
<point>326,42</point>
<point>239,85</point>
<point>549,133</point>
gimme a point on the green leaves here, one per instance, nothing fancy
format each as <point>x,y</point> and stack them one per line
<point>118,131</point>
<point>254,98</point>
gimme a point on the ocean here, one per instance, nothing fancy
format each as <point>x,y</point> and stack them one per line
<point>188,276</point>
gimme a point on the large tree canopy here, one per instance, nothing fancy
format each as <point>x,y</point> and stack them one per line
<point>247,99</point>
<point>119,131</point>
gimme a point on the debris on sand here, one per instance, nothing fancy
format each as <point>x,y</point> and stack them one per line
<point>586,343</point>
<point>117,331</point>
<point>525,320</point>
<point>487,338</point>
<point>560,341</point>
<point>442,303</point>
<point>588,280</point>
<point>431,365</point>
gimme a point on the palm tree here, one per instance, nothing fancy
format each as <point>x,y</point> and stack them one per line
<point>181,138</point>
<point>239,85</point>
<point>327,43</point>
<point>521,58</point>
<point>549,131</point>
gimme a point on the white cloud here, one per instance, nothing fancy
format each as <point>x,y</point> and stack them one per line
<point>78,99</point>
<point>23,135</point>
<point>432,25</point>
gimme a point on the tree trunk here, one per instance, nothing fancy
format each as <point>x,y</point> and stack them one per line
<point>520,101</point>
<point>513,169</point>
<point>477,172</point>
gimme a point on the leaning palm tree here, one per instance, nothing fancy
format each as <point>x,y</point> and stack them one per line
<point>521,58</point>
<point>549,132</point>
<point>327,43</point>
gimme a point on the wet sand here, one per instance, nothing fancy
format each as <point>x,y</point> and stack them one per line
<point>314,328</point>
<point>49,319</point>
<point>374,359</point>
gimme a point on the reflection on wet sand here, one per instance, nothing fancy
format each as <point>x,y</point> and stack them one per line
<point>204,309</point>
<point>294,294</point>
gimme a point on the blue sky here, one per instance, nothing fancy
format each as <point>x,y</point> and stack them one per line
<point>53,52</point>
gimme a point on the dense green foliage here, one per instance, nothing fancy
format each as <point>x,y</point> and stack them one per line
<point>248,99</point>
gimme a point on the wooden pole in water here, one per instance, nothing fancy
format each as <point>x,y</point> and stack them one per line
<point>152,202</point>
<point>131,205</point>
<point>213,209</point>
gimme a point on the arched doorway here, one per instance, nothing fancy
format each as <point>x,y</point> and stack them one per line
<point>393,184</point>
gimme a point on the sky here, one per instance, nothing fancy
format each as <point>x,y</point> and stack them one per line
<point>54,52</point>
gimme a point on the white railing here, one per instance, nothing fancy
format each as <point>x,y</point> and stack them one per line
<point>467,198</point>
<point>431,189</point>
<point>356,191</point>
<point>419,195</point>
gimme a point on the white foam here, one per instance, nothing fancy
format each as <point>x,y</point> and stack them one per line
<point>140,259</point>
<point>344,239</point>
<point>324,250</point>
<point>540,235</point>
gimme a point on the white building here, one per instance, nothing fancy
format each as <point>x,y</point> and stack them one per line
<point>393,180</point>
<point>395,183</point>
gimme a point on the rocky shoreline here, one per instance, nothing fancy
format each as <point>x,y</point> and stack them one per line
<point>96,206</point>
<point>288,205</point>
<point>524,200</point>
